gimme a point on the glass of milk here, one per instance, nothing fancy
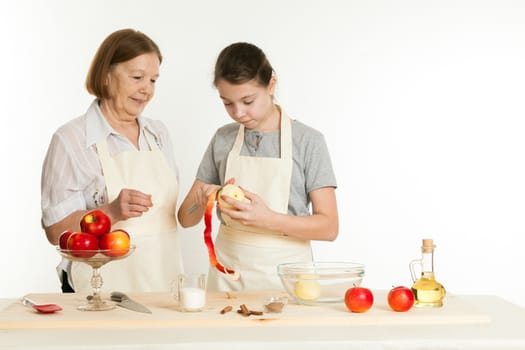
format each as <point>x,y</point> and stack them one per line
<point>190,291</point>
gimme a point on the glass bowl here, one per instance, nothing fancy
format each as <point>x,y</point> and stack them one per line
<point>96,259</point>
<point>320,282</point>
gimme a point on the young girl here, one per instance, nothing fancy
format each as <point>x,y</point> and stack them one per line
<point>282,165</point>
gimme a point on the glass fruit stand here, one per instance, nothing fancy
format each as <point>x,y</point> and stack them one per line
<point>96,259</point>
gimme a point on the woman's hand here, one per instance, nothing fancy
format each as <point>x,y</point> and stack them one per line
<point>129,204</point>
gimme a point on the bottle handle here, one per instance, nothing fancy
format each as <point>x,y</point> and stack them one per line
<point>412,265</point>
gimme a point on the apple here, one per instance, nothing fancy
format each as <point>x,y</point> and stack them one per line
<point>95,222</point>
<point>114,243</point>
<point>401,298</point>
<point>62,239</point>
<point>82,244</point>
<point>307,288</point>
<point>231,191</point>
<point>359,299</point>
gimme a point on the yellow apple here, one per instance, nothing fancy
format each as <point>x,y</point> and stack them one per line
<point>232,191</point>
<point>307,288</point>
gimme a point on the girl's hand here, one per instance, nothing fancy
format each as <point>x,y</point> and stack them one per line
<point>255,213</point>
<point>203,192</point>
<point>192,208</point>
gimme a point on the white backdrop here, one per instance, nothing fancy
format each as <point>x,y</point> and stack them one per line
<point>421,103</point>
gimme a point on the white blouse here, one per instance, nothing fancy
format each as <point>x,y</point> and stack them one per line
<point>72,177</point>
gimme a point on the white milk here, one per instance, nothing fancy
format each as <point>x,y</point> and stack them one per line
<point>192,298</point>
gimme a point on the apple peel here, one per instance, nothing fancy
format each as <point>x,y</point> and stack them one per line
<point>234,275</point>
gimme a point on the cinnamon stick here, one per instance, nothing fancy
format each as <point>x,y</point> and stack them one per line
<point>226,309</point>
<point>247,312</point>
<point>244,310</point>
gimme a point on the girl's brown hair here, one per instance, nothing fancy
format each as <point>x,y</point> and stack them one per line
<point>242,62</point>
<point>120,46</point>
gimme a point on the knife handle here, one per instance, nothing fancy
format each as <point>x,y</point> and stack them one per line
<point>118,296</point>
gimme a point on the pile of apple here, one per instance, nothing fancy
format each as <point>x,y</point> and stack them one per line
<point>95,236</point>
<point>360,299</point>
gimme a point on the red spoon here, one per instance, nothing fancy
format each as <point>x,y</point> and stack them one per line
<point>43,308</point>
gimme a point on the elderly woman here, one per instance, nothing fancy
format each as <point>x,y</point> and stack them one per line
<point>114,159</point>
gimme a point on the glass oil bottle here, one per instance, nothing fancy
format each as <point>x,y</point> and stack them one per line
<point>427,291</point>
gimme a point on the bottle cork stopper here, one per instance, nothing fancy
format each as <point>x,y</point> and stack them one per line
<point>428,246</point>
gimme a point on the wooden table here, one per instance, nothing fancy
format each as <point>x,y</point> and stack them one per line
<point>465,322</point>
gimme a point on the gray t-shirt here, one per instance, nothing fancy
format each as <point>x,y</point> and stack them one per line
<point>311,170</point>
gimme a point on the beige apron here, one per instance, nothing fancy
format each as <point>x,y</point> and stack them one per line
<point>254,252</point>
<point>157,258</point>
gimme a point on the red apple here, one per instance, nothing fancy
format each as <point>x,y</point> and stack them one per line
<point>114,243</point>
<point>62,239</point>
<point>95,222</point>
<point>359,299</point>
<point>82,244</point>
<point>401,298</point>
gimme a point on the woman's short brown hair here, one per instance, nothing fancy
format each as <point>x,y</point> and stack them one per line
<point>241,62</point>
<point>120,46</point>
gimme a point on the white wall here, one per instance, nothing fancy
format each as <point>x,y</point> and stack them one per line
<point>421,103</point>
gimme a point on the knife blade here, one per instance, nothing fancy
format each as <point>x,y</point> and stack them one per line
<point>124,301</point>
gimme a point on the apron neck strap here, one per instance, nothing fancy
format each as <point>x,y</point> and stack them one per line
<point>285,137</point>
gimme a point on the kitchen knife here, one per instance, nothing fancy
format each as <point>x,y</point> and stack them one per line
<point>124,301</point>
